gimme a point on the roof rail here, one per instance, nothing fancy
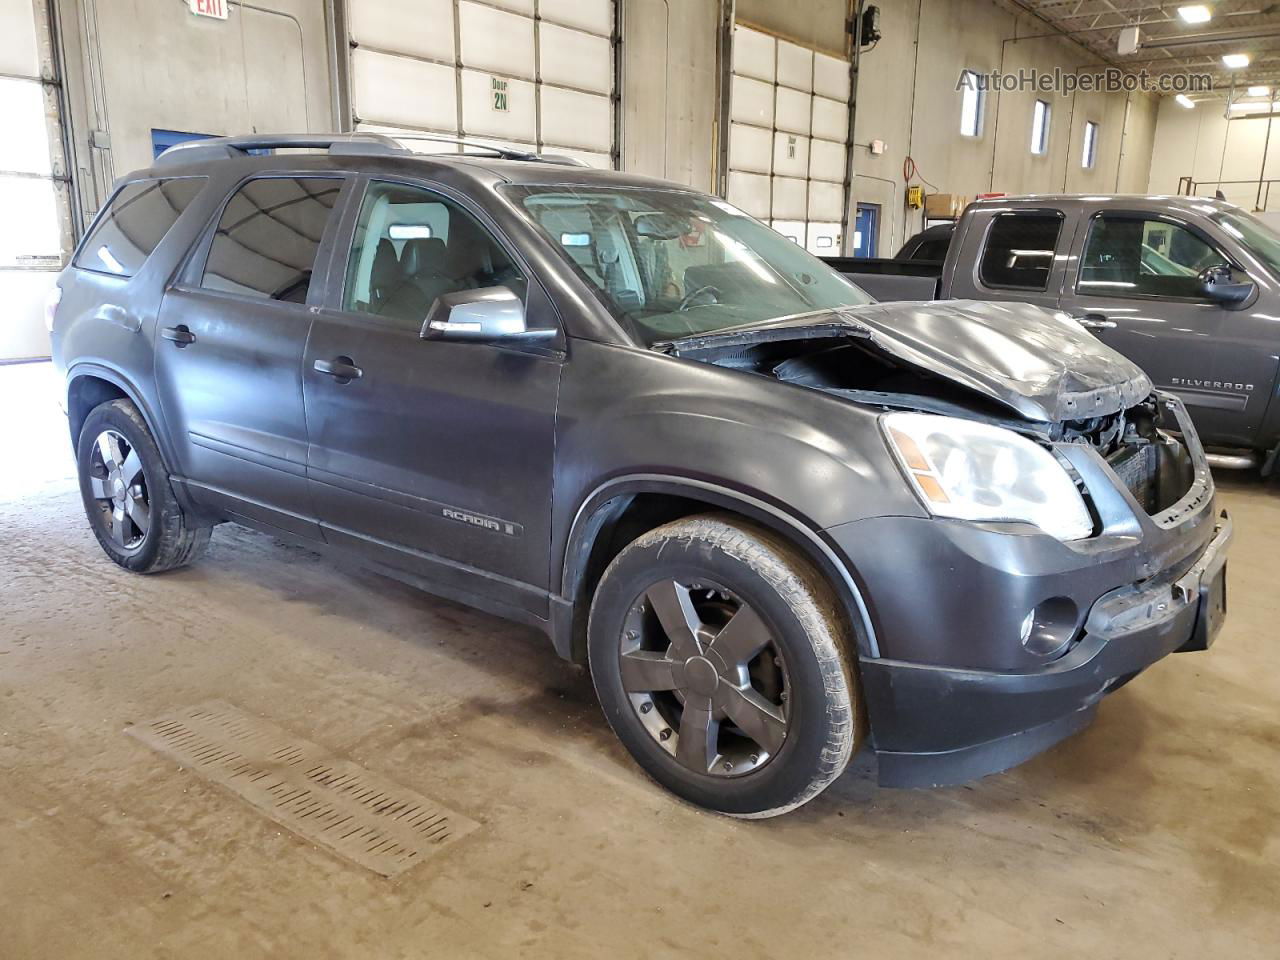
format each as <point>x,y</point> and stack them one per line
<point>224,148</point>
<point>359,143</point>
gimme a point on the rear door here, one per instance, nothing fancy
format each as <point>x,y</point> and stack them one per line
<point>229,349</point>
<point>1137,288</point>
<point>433,456</point>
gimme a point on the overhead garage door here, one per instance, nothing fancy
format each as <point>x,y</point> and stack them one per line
<point>537,74</point>
<point>789,113</point>
<point>35,230</point>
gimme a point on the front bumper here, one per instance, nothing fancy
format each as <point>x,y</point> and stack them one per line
<point>935,725</point>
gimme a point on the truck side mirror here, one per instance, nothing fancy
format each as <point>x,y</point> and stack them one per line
<point>1225,284</point>
<point>485,314</point>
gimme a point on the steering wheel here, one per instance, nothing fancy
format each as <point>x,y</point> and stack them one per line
<point>701,297</point>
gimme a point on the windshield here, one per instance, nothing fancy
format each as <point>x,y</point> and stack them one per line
<point>669,264</point>
<point>1262,241</point>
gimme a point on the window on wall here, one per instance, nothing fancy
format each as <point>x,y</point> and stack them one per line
<point>1090,152</point>
<point>1019,251</point>
<point>1040,128</point>
<point>971,104</point>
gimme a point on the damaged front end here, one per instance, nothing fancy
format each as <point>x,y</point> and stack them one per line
<point>1071,538</point>
<point>1010,365</point>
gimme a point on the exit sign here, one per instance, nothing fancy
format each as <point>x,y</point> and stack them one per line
<point>209,8</point>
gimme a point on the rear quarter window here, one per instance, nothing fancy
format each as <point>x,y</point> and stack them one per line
<point>137,217</point>
<point>1019,250</point>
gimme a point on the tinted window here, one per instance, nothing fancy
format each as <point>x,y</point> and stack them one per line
<point>411,246</point>
<point>268,236</point>
<point>935,249</point>
<point>1130,255</point>
<point>134,223</point>
<point>1020,249</point>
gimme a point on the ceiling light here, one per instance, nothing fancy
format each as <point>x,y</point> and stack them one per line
<point>1235,61</point>
<point>1185,101</point>
<point>1196,13</point>
<point>1259,91</point>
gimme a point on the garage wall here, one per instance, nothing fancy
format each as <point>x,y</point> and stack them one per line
<point>669,80</point>
<point>151,64</point>
<point>907,98</point>
<point>1203,144</point>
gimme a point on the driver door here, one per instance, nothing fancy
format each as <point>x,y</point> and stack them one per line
<point>431,455</point>
<point>1138,290</point>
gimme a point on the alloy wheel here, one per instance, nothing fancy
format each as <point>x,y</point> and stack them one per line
<point>119,487</point>
<point>706,677</point>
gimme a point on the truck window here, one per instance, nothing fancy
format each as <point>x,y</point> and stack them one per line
<point>134,223</point>
<point>268,237</point>
<point>1141,257</point>
<point>1019,250</point>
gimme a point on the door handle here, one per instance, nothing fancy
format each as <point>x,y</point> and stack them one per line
<point>1096,321</point>
<point>180,335</point>
<point>341,369</point>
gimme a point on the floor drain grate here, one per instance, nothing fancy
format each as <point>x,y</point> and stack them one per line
<point>337,804</point>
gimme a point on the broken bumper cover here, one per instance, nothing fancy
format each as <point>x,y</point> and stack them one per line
<point>935,725</point>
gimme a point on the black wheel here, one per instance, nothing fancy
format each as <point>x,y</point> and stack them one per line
<point>127,496</point>
<point>719,657</point>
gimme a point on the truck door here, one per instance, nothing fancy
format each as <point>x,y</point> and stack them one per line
<point>1138,289</point>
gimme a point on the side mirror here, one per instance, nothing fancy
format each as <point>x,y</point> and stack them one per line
<point>486,314</point>
<point>1226,284</point>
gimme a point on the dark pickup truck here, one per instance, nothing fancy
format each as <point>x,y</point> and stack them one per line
<point>1187,287</point>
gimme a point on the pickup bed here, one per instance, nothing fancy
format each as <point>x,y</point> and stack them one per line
<point>1187,287</point>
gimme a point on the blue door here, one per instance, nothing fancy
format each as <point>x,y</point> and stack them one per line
<point>866,230</point>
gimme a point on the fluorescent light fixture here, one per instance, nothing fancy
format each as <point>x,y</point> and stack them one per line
<point>1259,91</point>
<point>1185,101</point>
<point>1195,13</point>
<point>1235,61</point>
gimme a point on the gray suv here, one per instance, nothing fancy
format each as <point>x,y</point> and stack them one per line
<point>776,518</point>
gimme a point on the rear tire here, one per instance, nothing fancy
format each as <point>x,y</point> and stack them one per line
<point>127,493</point>
<point>721,661</point>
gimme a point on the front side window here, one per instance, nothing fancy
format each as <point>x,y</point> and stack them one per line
<point>971,104</point>
<point>1040,128</point>
<point>1019,251</point>
<point>1090,153</point>
<point>268,237</point>
<point>1128,255</point>
<point>670,264</point>
<point>134,223</point>
<point>411,246</point>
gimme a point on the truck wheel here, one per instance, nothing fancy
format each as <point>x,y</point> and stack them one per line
<point>722,664</point>
<point>127,496</point>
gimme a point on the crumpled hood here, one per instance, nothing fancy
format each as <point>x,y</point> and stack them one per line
<point>1038,362</point>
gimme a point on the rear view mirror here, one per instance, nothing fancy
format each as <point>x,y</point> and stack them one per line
<point>661,226</point>
<point>1225,284</point>
<point>485,314</point>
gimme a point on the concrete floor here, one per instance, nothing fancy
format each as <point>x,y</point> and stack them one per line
<point>1152,834</point>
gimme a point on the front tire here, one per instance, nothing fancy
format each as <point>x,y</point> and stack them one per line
<point>721,661</point>
<point>127,495</point>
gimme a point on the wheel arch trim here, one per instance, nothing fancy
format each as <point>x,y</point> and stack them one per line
<point>594,512</point>
<point>85,369</point>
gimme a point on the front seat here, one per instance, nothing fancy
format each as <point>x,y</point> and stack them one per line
<point>385,275</point>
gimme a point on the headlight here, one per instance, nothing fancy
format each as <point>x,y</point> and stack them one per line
<point>974,471</point>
